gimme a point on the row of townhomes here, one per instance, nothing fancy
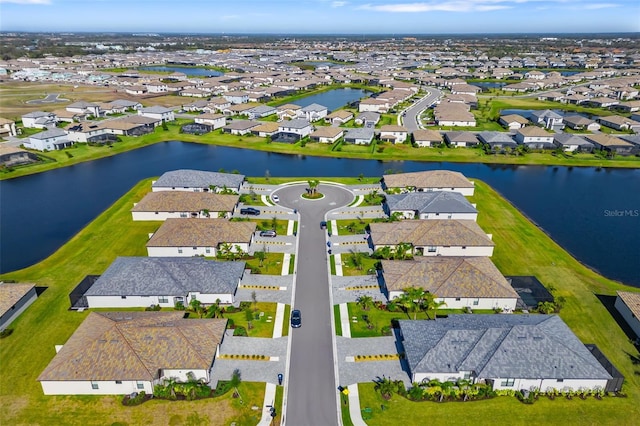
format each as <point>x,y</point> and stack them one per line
<point>426,234</point>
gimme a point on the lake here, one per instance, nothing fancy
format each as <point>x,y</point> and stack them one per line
<point>333,99</point>
<point>588,211</point>
<point>189,71</point>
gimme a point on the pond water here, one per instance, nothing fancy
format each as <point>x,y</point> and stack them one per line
<point>189,71</point>
<point>590,212</point>
<point>333,99</point>
<point>488,85</point>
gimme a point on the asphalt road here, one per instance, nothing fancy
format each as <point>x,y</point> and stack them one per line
<point>410,120</point>
<point>311,387</point>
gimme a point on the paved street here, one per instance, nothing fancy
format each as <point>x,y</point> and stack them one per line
<point>410,119</point>
<point>311,392</point>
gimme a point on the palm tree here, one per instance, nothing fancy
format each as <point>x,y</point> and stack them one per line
<point>235,382</point>
<point>225,250</point>
<point>546,307</point>
<point>403,251</point>
<point>356,258</point>
<point>196,306</point>
<point>365,302</point>
<point>274,223</point>
<point>430,304</point>
<point>412,299</point>
<point>313,185</point>
<point>385,387</point>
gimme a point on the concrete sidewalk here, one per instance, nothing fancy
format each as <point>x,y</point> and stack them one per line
<point>277,322</point>
<point>269,400</point>
<point>344,320</point>
<point>354,406</point>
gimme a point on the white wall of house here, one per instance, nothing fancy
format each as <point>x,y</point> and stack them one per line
<point>210,298</point>
<point>456,123</point>
<point>457,251</point>
<point>436,216</point>
<point>506,304</point>
<point>168,215</point>
<point>628,316</point>
<point>217,123</point>
<point>547,384</point>
<point>399,137</point>
<point>424,144</point>
<point>190,251</point>
<point>18,308</point>
<point>46,144</point>
<point>106,387</point>
<point>84,136</point>
<point>467,192</point>
<point>304,131</point>
<point>183,375</point>
<point>131,301</point>
<point>443,377</point>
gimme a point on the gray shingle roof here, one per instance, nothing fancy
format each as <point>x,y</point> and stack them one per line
<point>198,179</point>
<point>297,123</point>
<point>359,133</point>
<point>495,137</point>
<point>314,107</point>
<point>156,109</point>
<point>499,346</point>
<point>53,133</point>
<point>167,276</point>
<point>431,202</point>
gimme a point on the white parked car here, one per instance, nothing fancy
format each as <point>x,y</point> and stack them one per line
<point>275,198</point>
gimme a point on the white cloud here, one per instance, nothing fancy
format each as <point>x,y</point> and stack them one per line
<point>600,6</point>
<point>338,3</point>
<point>26,1</point>
<point>446,6</point>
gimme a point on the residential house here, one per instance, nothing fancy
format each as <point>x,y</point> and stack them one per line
<point>621,123</point>
<point>236,97</point>
<point>265,129</point>
<point>547,118</point>
<point>628,305</point>
<point>200,237</point>
<point>367,119</point>
<point>426,137</point>
<point>197,106</point>
<point>69,116</point>
<point>431,180</point>
<point>163,205</point>
<point>453,114</point>
<point>119,353</point>
<point>13,156</point>
<point>15,298</point>
<point>7,128</point>
<point>430,205</point>
<point>373,105</point>
<point>145,120</point>
<point>217,105</point>
<point>125,126</point>
<point>535,138</point>
<point>194,93</point>
<point>359,136</point>
<point>338,118</point>
<point>462,139</point>
<point>136,90</point>
<point>158,113</point>
<point>216,121</point>
<point>84,108</point>
<point>327,134</point>
<point>288,111</point>
<point>137,282</point>
<point>459,282</point>
<point>433,237</point>
<point>497,140</point>
<point>602,102</point>
<point>39,120</point>
<point>313,112</point>
<point>128,105</point>
<point>611,143</point>
<point>198,181</point>
<point>393,133</point>
<point>572,143</point>
<point>299,127</point>
<point>89,131</point>
<point>157,87</point>
<point>240,127</point>
<point>260,111</point>
<point>578,122</point>
<point>517,352</point>
<point>49,140</point>
<point>513,121</point>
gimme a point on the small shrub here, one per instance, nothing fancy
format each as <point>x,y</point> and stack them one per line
<point>179,306</point>
<point>6,333</point>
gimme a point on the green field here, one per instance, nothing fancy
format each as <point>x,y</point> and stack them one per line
<point>523,249</point>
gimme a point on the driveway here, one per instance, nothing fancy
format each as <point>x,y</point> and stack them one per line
<point>366,371</point>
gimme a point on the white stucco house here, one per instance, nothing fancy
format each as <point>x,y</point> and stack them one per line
<point>313,112</point>
<point>39,120</point>
<point>200,237</point>
<point>118,353</point>
<point>216,121</point>
<point>518,352</point>
<point>157,112</point>
<point>393,133</point>
<point>628,304</point>
<point>49,140</point>
<point>436,205</point>
<point>298,126</point>
<point>459,282</point>
<point>163,205</point>
<point>433,237</point>
<point>139,282</point>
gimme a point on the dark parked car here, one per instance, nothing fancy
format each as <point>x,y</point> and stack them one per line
<point>268,233</point>
<point>250,211</point>
<point>296,318</point>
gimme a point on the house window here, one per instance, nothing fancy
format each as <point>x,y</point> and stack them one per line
<point>467,376</point>
<point>560,380</point>
<point>431,249</point>
<point>457,299</point>
<point>508,382</point>
<point>183,215</point>
<point>475,302</point>
<point>179,250</point>
<point>437,214</point>
<point>195,248</point>
<point>156,212</point>
<point>207,250</point>
<point>140,385</point>
<point>464,247</point>
<point>123,297</point>
<point>118,382</point>
<point>94,385</point>
<point>163,299</point>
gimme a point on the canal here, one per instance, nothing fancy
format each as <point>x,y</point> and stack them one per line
<point>593,213</point>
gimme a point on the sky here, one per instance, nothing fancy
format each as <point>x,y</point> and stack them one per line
<point>322,16</point>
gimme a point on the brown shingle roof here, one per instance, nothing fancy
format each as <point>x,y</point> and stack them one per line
<point>448,277</point>
<point>428,179</point>
<point>10,294</point>
<point>430,233</point>
<point>201,233</point>
<point>327,132</point>
<point>427,135</point>
<point>632,300</point>
<point>134,346</point>
<point>182,201</point>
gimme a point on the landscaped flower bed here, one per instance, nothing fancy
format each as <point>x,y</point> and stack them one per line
<point>379,357</point>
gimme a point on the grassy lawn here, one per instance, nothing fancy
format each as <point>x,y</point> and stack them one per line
<point>285,323</point>
<point>261,328</point>
<point>336,318</point>
<point>351,227</point>
<point>377,320</point>
<point>349,267</point>
<point>344,180</point>
<point>272,264</point>
<point>540,256</point>
<point>48,322</point>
